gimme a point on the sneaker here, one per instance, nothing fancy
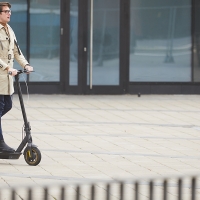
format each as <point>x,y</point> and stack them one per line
<point>4,147</point>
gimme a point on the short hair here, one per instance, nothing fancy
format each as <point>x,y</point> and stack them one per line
<point>4,4</point>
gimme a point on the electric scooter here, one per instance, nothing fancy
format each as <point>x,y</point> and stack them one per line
<point>32,154</point>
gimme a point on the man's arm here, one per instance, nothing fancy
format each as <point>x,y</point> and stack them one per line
<point>18,55</point>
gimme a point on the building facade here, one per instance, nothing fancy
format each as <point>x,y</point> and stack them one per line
<point>110,46</point>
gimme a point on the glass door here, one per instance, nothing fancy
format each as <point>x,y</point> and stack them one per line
<point>90,46</point>
<point>104,38</point>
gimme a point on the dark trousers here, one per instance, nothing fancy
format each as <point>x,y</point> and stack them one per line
<point>5,106</point>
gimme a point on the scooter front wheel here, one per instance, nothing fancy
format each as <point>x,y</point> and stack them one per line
<point>35,158</point>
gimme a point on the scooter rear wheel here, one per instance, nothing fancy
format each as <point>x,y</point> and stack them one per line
<point>36,156</point>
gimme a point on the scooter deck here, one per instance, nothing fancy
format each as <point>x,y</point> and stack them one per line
<point>6,155</point>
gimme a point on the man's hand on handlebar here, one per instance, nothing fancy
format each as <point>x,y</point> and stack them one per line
<point>28,68</point>
<point>12,71</point>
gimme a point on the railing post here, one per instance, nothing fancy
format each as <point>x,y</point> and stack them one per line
<point>165,190</point>
<point>151,190</point>
<point>92,192</point>
<point>121,191</point>
<point>77,192</point>
<point>13,194</point>
<point>171,27</point>
<point>62,195</point>
<point>29,194</point>
<point>108,192</point>
<point>180,182</point>
<point>193,186</point>
<point>136,191</point>
<point>46,193</point>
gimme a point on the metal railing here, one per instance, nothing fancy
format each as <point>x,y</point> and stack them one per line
<point>157,188</point>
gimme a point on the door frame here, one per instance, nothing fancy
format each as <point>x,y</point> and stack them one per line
<point>83,24</point>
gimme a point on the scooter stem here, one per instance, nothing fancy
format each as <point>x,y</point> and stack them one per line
<point>21,102</point>
<point>27,128</point>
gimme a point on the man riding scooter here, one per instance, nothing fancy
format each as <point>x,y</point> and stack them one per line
<point>9,50</point>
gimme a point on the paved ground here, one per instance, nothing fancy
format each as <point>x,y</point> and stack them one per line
<point>83,138</point>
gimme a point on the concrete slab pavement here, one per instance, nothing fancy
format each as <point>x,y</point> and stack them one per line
<point>104,137</point>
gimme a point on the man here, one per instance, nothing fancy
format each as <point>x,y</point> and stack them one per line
<point>9,51</point>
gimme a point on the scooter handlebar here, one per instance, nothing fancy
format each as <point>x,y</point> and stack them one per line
<point>20,71</point>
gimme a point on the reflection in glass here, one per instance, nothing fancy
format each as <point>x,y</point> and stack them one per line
<point>105,43</point>
<point>196,57</point>
<point>45,40</point>
<point>160,48</point>
<point>18,23</point>
<point>73,68</point>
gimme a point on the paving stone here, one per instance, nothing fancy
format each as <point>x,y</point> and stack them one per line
<point>104,137</point>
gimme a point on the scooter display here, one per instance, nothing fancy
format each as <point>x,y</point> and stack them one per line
<point>32,154</point>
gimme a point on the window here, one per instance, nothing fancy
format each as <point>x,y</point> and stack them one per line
<point>18,23</point>
<point>45,40</point>
<point>160,48</point>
